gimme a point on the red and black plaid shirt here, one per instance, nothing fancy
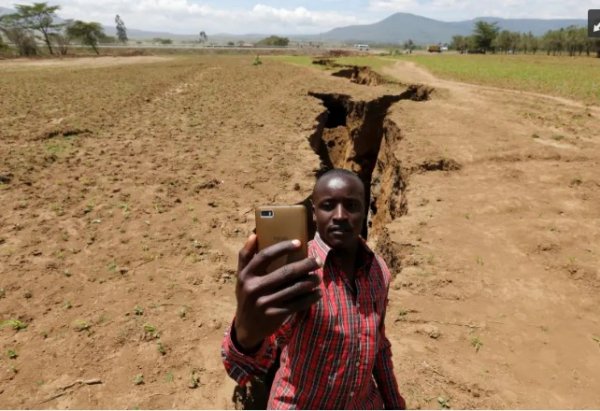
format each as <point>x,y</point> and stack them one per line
<point>336,354</point>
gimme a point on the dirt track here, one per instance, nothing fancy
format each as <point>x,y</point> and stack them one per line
<point>134,185</point>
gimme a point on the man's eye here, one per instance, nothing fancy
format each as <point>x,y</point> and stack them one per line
<point>353,206</point>
<point>327,205</point>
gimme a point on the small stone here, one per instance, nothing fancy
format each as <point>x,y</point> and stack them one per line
<point>429,330</point>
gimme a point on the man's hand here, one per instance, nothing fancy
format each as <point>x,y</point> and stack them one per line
<point>266,300</point>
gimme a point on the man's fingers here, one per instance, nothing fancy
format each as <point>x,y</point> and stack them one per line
<point>290,273</point>
<point>296,290</point>
<point>264,257</point>
<point>296,305</point>
<point>247,252</point>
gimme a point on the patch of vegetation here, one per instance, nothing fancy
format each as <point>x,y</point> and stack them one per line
<point>161,348</point>
<point>162,41</point>
<point>81,325</point>
<point>194,379</point>
<point>476,343</point>
<point>58,148</point>
<point>150,332</point>
<point>112,266</point>
<point>444,402</point>
<point>12,354</point>
<point>169,377</point>
<point>138,379</point>
<point>16,325</point>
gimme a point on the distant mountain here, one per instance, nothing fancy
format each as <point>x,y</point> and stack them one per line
<point>400,27</point>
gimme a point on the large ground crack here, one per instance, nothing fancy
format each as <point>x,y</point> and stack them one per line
<point>357,135</point>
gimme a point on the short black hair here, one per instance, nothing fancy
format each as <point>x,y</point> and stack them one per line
<point>340,172</point>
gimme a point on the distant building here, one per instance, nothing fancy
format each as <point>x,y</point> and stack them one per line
<point>362,47</point>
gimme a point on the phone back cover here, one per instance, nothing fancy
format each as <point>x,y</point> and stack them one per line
<point>286,223</point>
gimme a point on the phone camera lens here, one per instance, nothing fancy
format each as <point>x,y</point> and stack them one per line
<point>266,214</point>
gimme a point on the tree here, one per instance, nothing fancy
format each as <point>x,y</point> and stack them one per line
<point>507,41</point>
<point>484,35</point>
<point>62,42</point>
<point>203,37</point>
<point>409,45</point>
<point>121,30</point>
<point>40,17</point>
<point>274,41</point>
<point>460,43</point>
<point>554,41</point>
<point>10,26</point>
<point>88,33</point>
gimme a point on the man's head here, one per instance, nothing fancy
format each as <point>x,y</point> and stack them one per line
<point>339,208</point>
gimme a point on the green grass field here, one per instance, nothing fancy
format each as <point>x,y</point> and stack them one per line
<point>573,77</point>
<point>577,78</point>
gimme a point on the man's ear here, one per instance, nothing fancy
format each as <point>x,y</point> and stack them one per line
<point>312,207</point>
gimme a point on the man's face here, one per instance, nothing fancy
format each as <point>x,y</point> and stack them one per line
<point>338,211</point>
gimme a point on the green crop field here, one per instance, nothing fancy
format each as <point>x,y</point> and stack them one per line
<point>572,77</point>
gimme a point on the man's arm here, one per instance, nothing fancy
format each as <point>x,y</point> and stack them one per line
<point>242,365</point>
<point>266,305</point>
<point>384,372</point>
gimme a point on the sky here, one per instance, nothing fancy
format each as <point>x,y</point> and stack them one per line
<point>298,17</point>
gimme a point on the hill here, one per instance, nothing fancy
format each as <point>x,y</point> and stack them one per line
<point>400,27</point>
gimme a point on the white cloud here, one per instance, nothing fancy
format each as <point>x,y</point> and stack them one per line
<point>465,9</point>
<point>393,5</point>
<point>187,17</point>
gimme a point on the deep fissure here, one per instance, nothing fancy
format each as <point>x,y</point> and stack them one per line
<point>359,136</point>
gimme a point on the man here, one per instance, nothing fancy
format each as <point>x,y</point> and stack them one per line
<point>325,313</point>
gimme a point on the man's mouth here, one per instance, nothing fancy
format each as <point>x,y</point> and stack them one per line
<point>339,230</point>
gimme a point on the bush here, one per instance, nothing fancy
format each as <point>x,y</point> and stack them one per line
<point>162,41</point>
<point>274,41</point>
<point>22,39</point>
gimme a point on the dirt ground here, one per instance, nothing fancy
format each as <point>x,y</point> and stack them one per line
<point>127,190</point>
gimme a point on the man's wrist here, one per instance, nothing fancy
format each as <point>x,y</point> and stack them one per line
<point>244,345</point>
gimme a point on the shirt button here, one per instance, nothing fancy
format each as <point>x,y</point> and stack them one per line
<point>352,394</point>
<point>358,305</point>
<point>358,363</point>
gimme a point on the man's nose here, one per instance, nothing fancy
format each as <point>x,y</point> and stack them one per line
<point>339,212</point>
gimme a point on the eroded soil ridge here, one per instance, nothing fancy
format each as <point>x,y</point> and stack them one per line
<point>361,75</point>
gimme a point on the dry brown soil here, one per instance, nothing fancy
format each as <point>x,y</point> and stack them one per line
<point>127,189</point>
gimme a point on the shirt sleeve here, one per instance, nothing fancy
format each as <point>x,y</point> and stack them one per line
<point>242,367</point>
<point>384,368</point>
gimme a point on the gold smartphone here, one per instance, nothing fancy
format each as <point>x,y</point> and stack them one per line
<point>275,224</point>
